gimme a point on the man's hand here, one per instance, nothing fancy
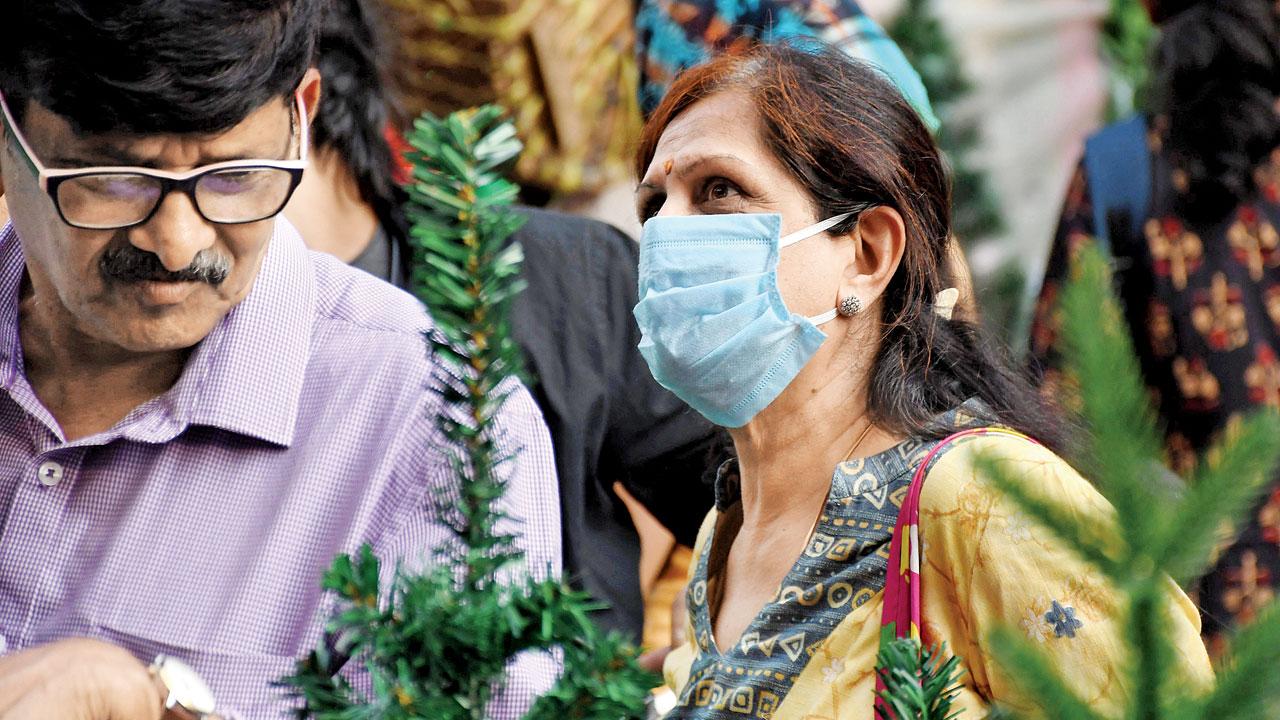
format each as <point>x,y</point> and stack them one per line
<point>78,679</point>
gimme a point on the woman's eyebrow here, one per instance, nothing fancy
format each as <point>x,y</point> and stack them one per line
<point>692,166</point>
<point>685,169</point>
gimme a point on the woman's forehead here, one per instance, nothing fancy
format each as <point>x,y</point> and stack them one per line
<point>724,117</point>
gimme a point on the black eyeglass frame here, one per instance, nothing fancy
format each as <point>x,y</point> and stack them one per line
<point>50,179</point>
<point>186,186</point>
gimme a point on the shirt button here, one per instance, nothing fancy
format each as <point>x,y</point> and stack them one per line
<point>50,473</point>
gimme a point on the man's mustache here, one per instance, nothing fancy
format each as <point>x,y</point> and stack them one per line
<point>127,263</point>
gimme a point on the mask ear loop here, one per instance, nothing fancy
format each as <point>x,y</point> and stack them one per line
<point>806,233</point>
<point>824,318</point>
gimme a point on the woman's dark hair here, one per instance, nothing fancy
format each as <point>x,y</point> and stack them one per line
<point>849,137</point>
<point>357,107</point>
<point>1217,82</point>
<point>154,66</point>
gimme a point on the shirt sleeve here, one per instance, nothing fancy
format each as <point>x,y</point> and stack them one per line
<point>531,504</point>
<point>986,565</point>
<point>1075,231</point>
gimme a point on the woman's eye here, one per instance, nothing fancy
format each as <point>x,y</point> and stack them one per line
<point>720,189</point>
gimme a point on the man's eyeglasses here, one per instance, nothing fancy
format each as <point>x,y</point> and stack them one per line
<point>111,198</point>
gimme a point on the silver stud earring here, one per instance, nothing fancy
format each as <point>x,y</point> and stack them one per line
<point>850,306</point>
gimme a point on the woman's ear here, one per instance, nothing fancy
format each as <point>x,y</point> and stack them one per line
<point>881,239</point>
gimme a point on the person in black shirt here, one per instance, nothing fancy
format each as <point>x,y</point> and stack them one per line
<point>609,420</point>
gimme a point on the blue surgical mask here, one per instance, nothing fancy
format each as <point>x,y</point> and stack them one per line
<point>714,328</point>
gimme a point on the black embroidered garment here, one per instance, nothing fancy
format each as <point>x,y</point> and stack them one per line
<point>1202,302</point>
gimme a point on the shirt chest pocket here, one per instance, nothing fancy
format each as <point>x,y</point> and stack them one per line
<point>243,683</point>
<point>255,626</point>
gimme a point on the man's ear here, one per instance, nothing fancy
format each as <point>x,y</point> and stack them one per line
<point>309,89</point>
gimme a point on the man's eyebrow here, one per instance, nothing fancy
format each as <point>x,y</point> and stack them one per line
<point>97,155</point>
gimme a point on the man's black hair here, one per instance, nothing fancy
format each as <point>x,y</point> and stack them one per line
<point>154,66</point>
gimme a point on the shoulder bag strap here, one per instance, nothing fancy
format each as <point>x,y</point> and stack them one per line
<point>902,578</point>
<point>1117,163</point>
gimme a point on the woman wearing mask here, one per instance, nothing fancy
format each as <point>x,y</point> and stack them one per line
<point>792,290</point>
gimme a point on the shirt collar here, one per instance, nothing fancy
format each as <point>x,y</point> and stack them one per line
<point>12,265</point>
<point>245,377</point>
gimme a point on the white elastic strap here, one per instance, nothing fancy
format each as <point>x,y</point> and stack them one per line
<point>945,303</point>
<point>806,233</point>
<point>825,317</point>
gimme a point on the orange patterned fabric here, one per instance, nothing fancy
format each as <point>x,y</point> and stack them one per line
<point>565,70</point>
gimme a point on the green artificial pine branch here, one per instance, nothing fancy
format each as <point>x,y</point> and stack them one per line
<point>436,643</point>
<point>919,684</point>
<point>1187,543</point>
<point>1248,685</point>
<point>1154,531</point>
<point>1125,443</point>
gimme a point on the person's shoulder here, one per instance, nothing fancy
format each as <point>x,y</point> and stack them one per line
<point>960,478</point>
<point>357,302</point>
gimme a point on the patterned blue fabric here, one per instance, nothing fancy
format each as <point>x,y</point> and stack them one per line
<point>673,36</point>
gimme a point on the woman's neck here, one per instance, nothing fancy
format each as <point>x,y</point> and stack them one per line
<point>787,453</point>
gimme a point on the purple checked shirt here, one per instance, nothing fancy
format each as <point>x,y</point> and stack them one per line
<point>199,526</point>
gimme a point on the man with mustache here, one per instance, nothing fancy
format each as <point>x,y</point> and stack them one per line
<point>196,412</point>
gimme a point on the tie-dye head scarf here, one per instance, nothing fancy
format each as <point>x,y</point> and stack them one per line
<point>672,35</point>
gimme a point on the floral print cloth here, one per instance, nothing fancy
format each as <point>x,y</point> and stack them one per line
<point>1202,301</point>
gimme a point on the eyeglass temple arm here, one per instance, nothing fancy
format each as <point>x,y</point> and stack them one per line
<point>11,128</point>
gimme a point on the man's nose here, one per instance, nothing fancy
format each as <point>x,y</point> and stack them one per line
<point>175,233</point>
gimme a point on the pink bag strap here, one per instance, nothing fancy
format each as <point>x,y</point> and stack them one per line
<point>902,578</point>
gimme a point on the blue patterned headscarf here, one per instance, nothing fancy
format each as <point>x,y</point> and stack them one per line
<point>673,35</point>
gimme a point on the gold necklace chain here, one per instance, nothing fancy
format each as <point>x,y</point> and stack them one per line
<point>856,444</point>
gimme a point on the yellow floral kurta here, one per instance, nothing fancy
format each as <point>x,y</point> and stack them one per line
<point>810,654</point>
